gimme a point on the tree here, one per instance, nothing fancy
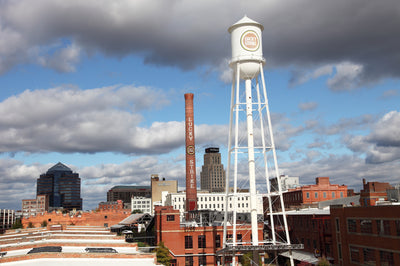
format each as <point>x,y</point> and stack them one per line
<point>17,224</point>
<point>247,258</point>
<point>136,211</point>
<point>162,254</point>
<point>30,225</point>
<point>44,223</point>
<point>323,262</point>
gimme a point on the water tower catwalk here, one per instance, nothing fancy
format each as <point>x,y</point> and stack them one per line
<point>251,149</point>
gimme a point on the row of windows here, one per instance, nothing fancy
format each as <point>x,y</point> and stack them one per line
<point>324,195</point>
<point>201,239</point>
<point>179,199</point>
<point>213,206</point>
<point>374,226</point>
<point>368,256</point>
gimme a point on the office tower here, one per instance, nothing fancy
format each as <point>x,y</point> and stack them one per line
<point>212,175</point>
<point>62,186</point>
<point>125,193</point>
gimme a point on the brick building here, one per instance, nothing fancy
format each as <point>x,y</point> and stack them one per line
<point>366,235</point>
<point>111,205</point>
<point>373,192</point>
<point>101,218</point>
<point>312,228</point>
<point>31,207</point>
<point>309,195</point>
<point>194,245</point>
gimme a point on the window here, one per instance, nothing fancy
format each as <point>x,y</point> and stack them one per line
<point>189,260</point>
<point>188,242</point>
<point>366,226</point>
<point>337,225</point>
<point>340,250</point>
<point>316,195</point>
<point>352,226</point>
<point>386,258</point>
<point>369,256</point>
<point>341,194</point>
<point>324,195</point>
<point>333,195</point>
<point>202,260</point>
<point>170,217</point>
<point>308,195</point>
<point>202,241</point>
<point>239,239</point>
<point>217,241</point>
<point>397,223</point>
<point>354,254</point>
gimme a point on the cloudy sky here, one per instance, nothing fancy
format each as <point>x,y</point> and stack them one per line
<point>99,85</point>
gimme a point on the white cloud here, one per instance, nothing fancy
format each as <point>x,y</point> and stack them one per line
<point>190,34</point>
<point>382,144</point>
<point>64,60</point>
<point>308,106</point>
<point>300,77</point>
<point>347,76</point>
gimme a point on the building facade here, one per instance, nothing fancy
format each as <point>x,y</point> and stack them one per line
<point>142,204</point>
<point>7,219</point>
<point>125,193</point>
<point>312,194</point>
<point>214,202</point>
<point>212,175</point>
<point>62,186</point>
<point>374,192</point>
<point>194,245</point>
<point>111,205</point>
<point>312,228</point>
<point>160,187</point>
<point>366,235</point>
<point>31,207</point>
<point>287,182</point>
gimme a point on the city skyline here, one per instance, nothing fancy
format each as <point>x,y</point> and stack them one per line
<point>100,86</point>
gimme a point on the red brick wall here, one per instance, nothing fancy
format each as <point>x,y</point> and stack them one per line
<point>374,240</point>
<point>173,236</point>
<point>100,218</point>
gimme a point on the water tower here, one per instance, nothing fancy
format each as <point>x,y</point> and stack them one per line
<point>251,149</point>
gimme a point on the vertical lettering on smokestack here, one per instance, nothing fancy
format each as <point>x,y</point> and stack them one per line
<point>191,189</point>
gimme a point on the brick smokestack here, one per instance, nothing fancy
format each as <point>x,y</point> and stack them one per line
<point>191,189</point>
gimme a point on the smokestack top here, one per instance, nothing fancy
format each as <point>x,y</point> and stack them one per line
<point>189,96</point>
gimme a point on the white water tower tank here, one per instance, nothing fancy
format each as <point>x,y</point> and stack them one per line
<point>246,42</point>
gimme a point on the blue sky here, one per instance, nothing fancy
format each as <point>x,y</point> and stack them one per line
<point>99,86</point>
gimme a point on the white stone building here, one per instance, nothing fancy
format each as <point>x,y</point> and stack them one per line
<point>142,203</point>
<point>214,202</point>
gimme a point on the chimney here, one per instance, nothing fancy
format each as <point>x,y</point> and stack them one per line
<point>191,189</point>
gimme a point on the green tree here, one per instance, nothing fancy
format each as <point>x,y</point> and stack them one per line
<point>17,224</point>
<point>30,225</point>
<point>44,223</point>
<point>162,254</point>
<point>136,211</point>
<point>323,262</point>
<point>248,257</point>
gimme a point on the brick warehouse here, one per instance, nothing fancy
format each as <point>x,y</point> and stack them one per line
<point>366,235</point>
<point>196,245</point>
<point>101,218</point>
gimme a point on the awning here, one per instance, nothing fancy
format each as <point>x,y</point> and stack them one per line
<point>117,226</point>
<point>301,256</point>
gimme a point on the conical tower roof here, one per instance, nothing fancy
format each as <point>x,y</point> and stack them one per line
<point>245,21</point>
